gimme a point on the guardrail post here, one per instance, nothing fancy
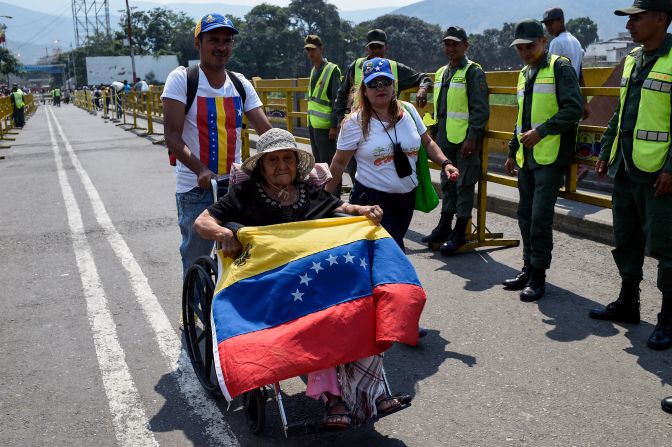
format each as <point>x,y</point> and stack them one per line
<point>289,100</point>
<point>135,110</point>
<point>149,112</point>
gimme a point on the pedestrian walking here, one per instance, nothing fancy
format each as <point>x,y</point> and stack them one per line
<point>325,80</point>
<point>56,95</point>
<point>461,112</point>
<point>384,135</point>
<point>549,109</point>
<point>404,78</point>
<point>203,125</point>
<point>636,154</point>
<point>18,106</point>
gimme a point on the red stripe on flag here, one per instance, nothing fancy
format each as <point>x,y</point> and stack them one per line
<point>203,129</point>
<point>231,134</point>
<point>340,334</point>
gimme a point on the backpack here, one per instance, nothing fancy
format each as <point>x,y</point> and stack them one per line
<point>192,87</point>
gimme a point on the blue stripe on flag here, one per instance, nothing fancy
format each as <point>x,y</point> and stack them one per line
<point>213,135</point>
<point>309,285</point>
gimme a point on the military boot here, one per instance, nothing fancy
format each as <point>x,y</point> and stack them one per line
<point>518,283</point>
<point>441,232</point>
<point>457,238</point>
<point>535,287</point>
<point>661,337</point>
<point>666,404</point>
<point>624,310</point>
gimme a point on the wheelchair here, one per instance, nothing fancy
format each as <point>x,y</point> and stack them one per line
<point>197,295</point>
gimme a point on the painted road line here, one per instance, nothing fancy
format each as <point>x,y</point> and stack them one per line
<point>128,416</point>
<point>169,343</point>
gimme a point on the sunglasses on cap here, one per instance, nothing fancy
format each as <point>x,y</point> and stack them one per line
<point>380,83</point>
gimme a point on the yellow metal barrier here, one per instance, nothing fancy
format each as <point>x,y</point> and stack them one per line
<point>120,107</point>
<point>7,117</point>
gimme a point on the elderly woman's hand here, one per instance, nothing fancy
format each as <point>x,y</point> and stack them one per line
<point>374,213</point>
<point>231,247</point>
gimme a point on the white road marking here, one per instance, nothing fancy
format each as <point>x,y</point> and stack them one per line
<point>128,416</point>
<point>169,343</point>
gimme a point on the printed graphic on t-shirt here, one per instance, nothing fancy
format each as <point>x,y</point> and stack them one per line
<point>218,120</point>
<point>384,155</point>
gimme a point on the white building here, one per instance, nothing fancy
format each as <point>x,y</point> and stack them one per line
<point>610,51</point>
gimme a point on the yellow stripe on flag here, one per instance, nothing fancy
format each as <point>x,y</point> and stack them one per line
<point>272,246</point>
<point>222,136</point>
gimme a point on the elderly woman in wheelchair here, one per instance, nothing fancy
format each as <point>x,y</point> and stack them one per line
<point>278,191</point>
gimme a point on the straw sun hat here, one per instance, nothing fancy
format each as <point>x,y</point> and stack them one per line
<point>280,140</point>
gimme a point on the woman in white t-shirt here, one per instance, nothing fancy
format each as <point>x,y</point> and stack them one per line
<point>384,135</point>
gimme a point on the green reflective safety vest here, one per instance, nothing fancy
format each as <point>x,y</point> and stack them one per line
<point>457,102</point>
<point>651,134</point>
<point>544,106</point>
<point>359,75</point>
<point>57,92</point>
<point>17,96</point>
<point>319,108</point>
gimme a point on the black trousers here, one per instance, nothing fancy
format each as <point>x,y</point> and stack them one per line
<point>397,209</point>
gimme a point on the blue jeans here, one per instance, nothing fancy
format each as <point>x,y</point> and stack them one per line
<point>190,205</point>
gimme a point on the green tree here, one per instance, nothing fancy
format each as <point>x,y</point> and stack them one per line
<point>321,18</point>
<point>492,48</point>
<point>267,46</point>
<point>8,62</point>
<point>584,29</point>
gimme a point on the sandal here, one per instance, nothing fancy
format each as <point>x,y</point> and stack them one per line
<point>337,416</point>
<point>386,404</point>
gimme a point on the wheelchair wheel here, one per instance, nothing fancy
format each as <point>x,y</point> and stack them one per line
<point>197,293</point>
<point>254,405</point>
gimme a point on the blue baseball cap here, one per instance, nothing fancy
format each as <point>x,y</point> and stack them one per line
<point>376,67</point>
<point>212,21</point>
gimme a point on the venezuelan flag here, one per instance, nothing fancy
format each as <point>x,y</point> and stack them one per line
<point>218,120</point>
<point>309,295</point>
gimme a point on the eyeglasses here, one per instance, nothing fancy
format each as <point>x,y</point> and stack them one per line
<point>380,83</point>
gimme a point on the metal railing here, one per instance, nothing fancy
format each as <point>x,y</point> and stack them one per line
<point>7,129</point>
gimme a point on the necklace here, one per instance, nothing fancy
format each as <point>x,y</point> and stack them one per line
<point>282,194</point>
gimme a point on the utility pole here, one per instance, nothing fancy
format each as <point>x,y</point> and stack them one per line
<point>130,42</point>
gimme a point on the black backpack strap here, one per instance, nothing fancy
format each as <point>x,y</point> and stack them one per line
<point>238,85</point>
<point>192,86</point>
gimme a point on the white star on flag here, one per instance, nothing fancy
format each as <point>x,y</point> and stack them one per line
<point>332,260</point>
<point>317,267</point>
<point>297,295</point>
<point>348,258</point>
<point>377,68</point>
<point>240,112</point>
<point>362,263</point>
<point>305,279</point>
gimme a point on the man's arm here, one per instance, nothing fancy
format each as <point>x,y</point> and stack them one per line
<point>173,125</point>
<point>258,119</point>
<point>332,94</point>
<point>410,78</point>
<point>479,104</point>
<point>341,104</point>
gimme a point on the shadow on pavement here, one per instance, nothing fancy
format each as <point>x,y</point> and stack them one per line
<point>480,270</point>
<point>567,314</point>
<point>406,366</point>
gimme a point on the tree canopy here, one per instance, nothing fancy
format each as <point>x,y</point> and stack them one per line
<point>270,43</point>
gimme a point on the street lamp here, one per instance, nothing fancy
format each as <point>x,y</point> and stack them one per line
<point>130,38</point>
